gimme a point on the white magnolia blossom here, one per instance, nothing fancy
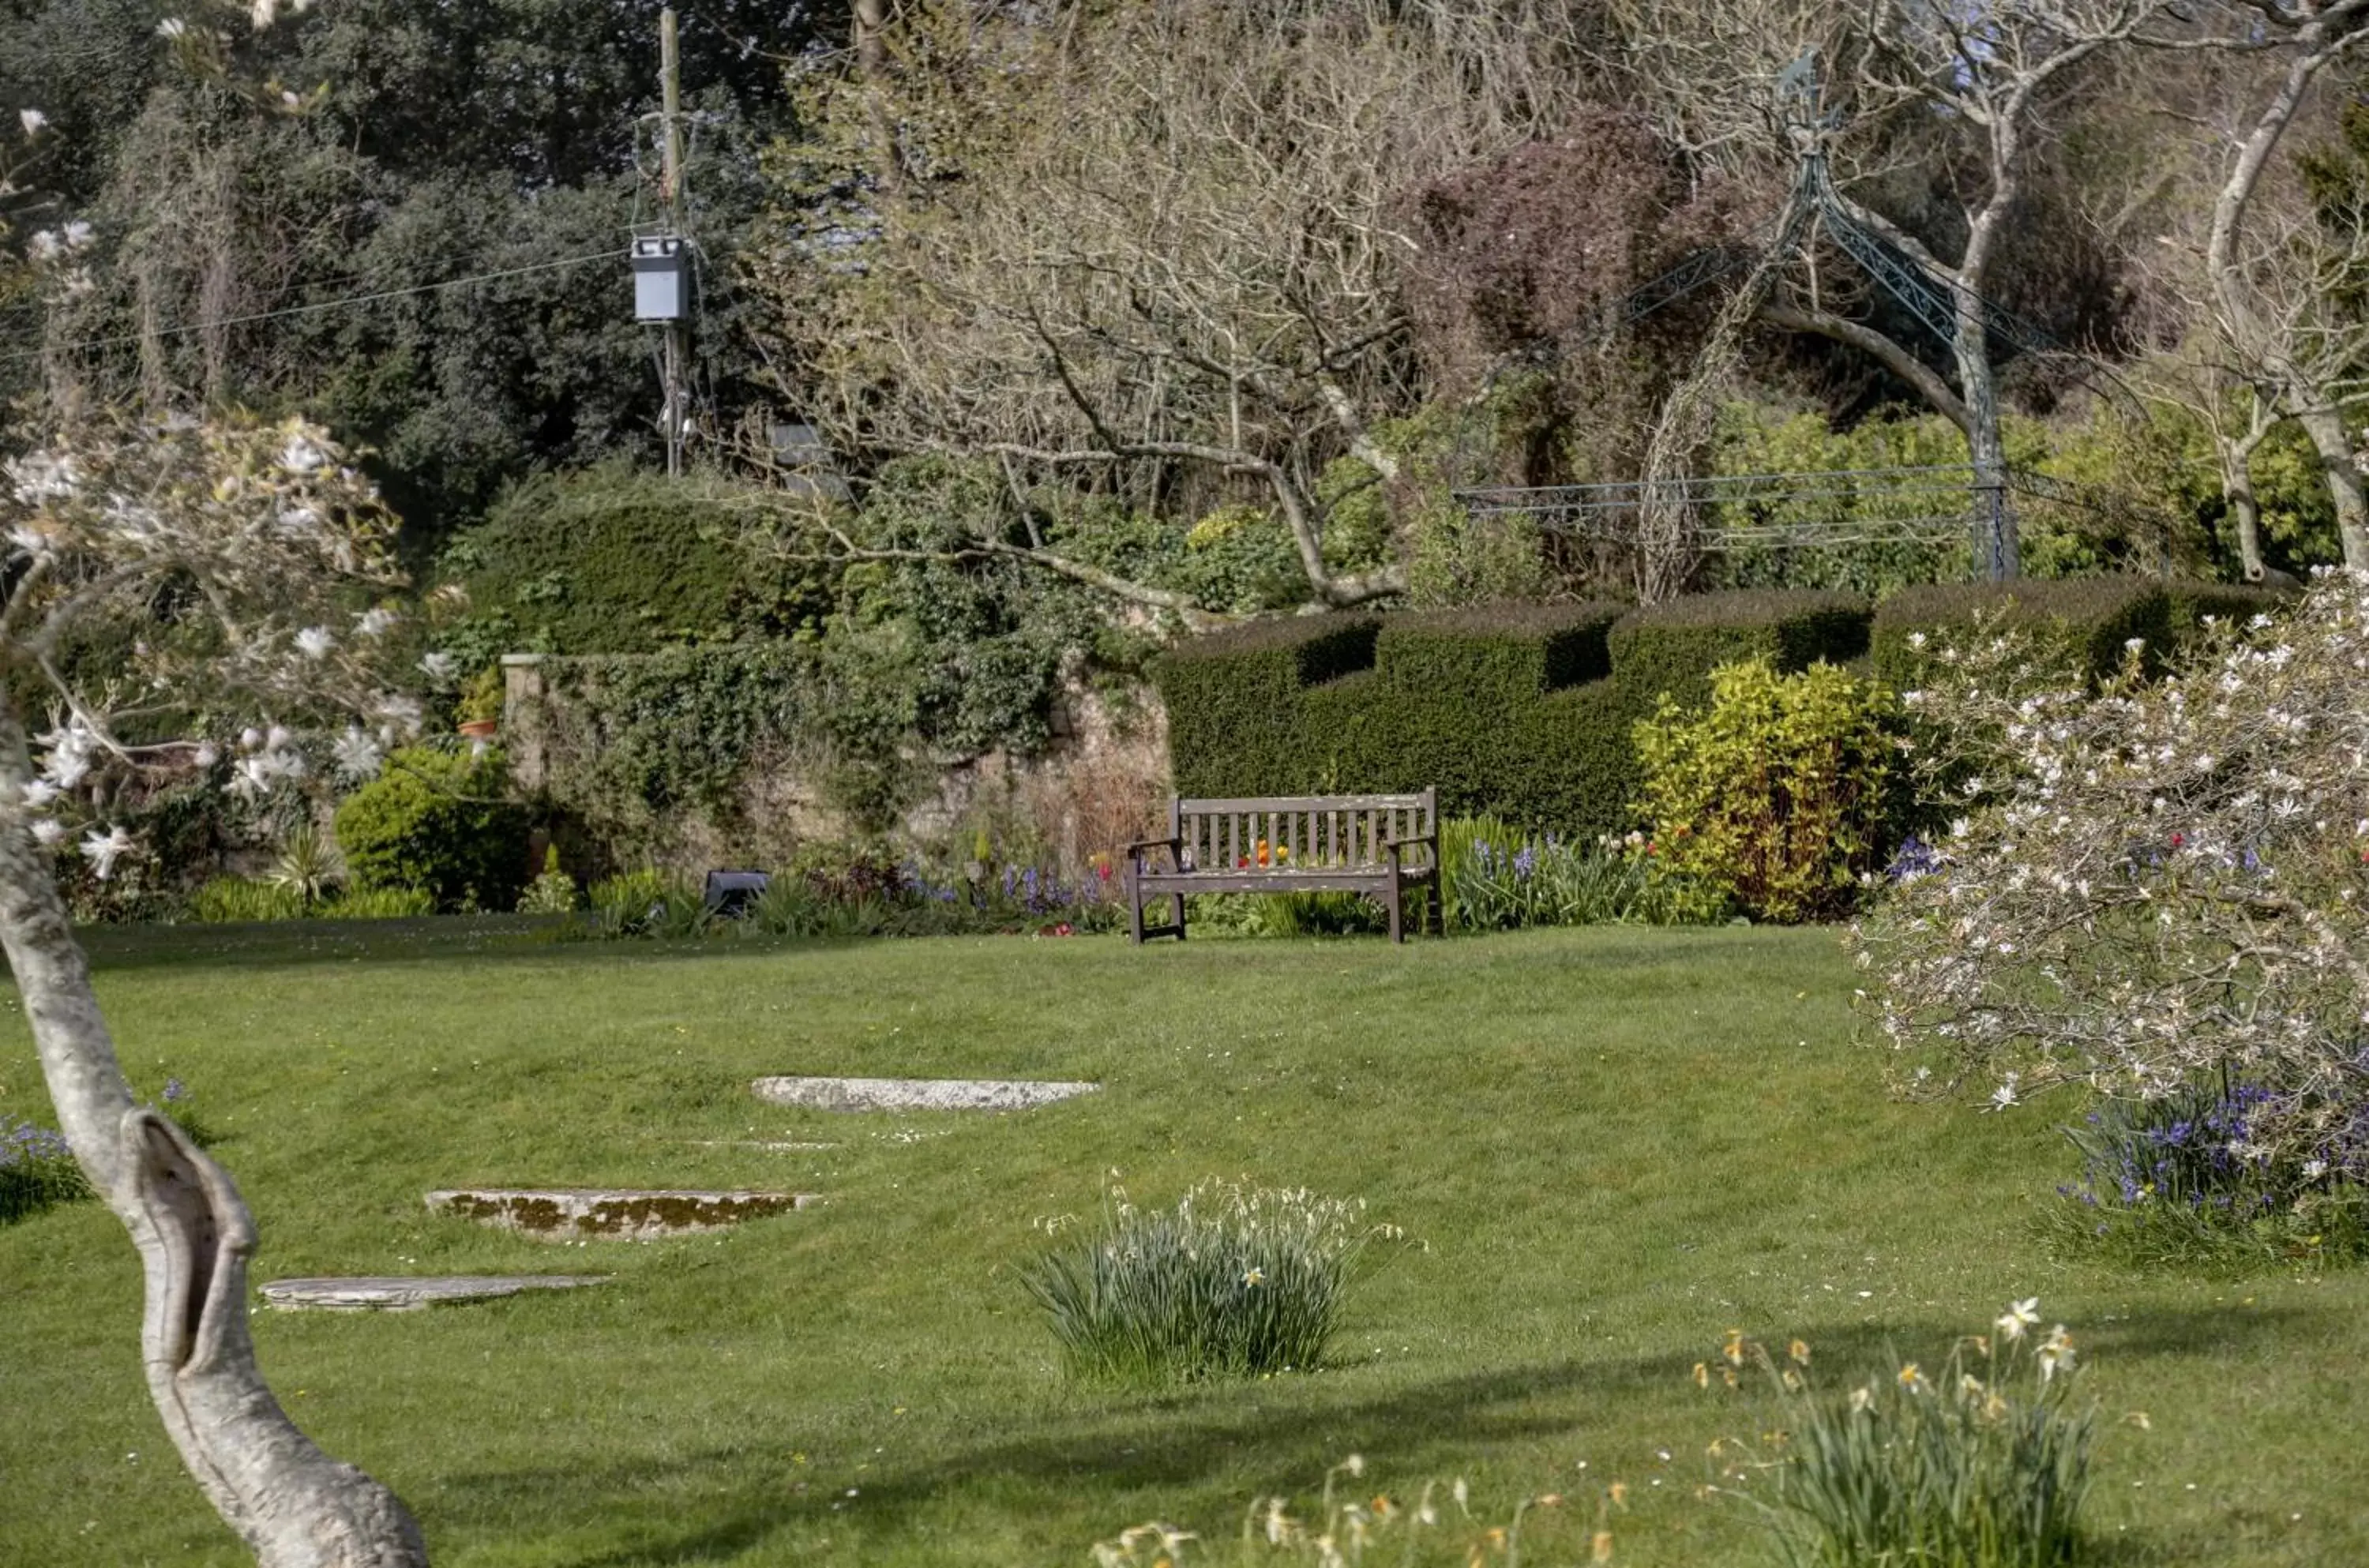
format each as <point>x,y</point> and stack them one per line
<point>315,642</point>
<point>171,28</point>
<point>439,666</point>
<point>103,850</point>
<point>71,751</point>
<point>49,832</point>
<point>302,455</point>
<point>34,121</point>
<point>2151,883</point>
<point>206,755</point>
<point>400,712</point>
<point>375,623</point>
<point>40,795</point>
<point>359,755</point>
<point>41,476</point>
<point>30,540</point>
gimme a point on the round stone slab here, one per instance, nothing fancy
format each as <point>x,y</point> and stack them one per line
<point>396,1293</point>
<point>576,1214</point>
<point>916,1093</point>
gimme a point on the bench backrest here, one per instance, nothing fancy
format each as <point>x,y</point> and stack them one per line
<point>1303,830</point>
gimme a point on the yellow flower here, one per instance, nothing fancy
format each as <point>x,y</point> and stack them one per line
<point>1799,1351</point>
<point>1862,1398</point>
<point>1599,1548</point>
<point>1255,1278</point>
<point>1912,1378</point>
<point>1703,1375</point>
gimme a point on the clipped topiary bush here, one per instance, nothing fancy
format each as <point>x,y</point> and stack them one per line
<point>2080,626</point>
<point>438,822</point>
<point>1236,723</point>
<point>1671,650</point>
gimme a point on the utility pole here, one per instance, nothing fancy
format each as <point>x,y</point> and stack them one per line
<point>670,191</point>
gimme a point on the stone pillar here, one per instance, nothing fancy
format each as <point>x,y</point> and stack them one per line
<point>522,718</point>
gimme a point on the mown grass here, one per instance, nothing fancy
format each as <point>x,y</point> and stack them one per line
<point>1610,1146</point>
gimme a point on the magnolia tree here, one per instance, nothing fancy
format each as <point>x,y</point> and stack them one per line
<point>188,601</point>
<point>2152,882</point>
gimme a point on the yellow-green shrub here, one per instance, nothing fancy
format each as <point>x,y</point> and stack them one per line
<point>1776,798</point>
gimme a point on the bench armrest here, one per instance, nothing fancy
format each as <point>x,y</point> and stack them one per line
<point>1137,852</point>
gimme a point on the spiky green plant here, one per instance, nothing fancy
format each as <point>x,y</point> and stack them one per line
<point>1984,1463</point>
<point>1233,1281</point>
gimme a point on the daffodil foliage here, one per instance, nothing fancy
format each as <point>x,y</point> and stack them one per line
<point>2149,883</point>
<point>193,598</point>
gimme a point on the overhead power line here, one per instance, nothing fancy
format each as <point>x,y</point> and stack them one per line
<point>179,329</point>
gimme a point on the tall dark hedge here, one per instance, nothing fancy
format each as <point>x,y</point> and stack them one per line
<point>1673,647</point>
<point>1526,711</point>
<point>2079,627</point>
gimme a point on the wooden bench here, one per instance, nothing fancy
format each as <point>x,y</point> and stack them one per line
<point>1380,845</point>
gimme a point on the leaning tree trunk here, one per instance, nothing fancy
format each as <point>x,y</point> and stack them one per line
<point>294,1506</point>
<point>2325,427</point>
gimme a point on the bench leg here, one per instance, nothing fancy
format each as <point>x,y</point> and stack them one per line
<point>1398,916</point>
<point>1176,912</point>
<point>1134,908</point>
<point>1438,905</point>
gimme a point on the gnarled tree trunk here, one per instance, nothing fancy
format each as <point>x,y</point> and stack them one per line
<point>294,1506</point>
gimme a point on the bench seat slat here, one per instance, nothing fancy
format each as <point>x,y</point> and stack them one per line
<point>1302,803</point>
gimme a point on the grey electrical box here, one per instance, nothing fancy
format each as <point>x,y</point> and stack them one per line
<point>661,278</point>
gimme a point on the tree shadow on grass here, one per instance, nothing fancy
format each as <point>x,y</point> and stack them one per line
<point>1193,1441</point>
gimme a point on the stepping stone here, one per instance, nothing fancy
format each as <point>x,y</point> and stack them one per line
<point>409,1293</point>
<point>916,1093</point>
<point>574,1214</point>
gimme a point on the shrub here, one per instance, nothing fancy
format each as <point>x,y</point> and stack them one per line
<point>1775,799</point>
<point>226,899</point>
<point>37,1169</point>
<point>1671,650</point>
<point>1234,1281</point>
<point>1497,879</point>
<point>379,904</point>
<point>307,867</point>
<point>612,560</point>
<point>2151,885</point>
<point>436,821</point>
<point>2072,630</point>
<point>553,892</point>
<point>626,905</point>
<point>1984,1463</point>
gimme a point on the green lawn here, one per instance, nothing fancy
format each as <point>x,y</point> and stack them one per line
<point>1610,1146</point>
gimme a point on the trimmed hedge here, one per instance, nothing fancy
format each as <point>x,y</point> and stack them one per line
<point>1519,710</point>
<point>2080,625</point>
<point>1234,698</point>
<point>1527,711</point>
<point>1673,647</point>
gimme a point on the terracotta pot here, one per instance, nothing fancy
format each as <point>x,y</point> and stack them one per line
<point>480,728</point>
